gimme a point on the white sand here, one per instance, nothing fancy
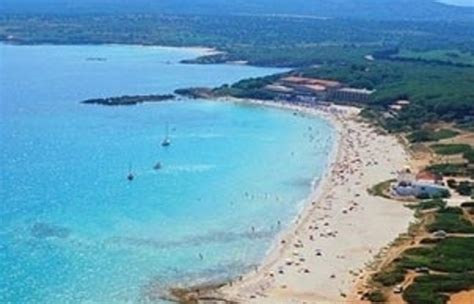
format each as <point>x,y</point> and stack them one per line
<point>341,220</point>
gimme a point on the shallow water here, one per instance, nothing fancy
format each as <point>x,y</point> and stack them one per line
<point>74,230</point>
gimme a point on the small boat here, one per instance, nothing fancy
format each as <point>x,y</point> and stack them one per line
<point>167,141</point>
<point>157,166</point>
<point>130,175</point>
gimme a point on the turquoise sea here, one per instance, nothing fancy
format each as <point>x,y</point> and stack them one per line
<point>74,230</point>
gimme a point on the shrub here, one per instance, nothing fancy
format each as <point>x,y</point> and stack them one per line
<point>469,156</point>
<point>428,135</point>
<point>442,194</point>
<point>419,136</point>
<point>376,296</point>
<point>429,241</point>
<point>444,134</point>
<point>451,220</point>
<point>467,205</point>
<point>423,196</point>
<point>431,289</point>
<point>380,188</point>
<point>452,183</point>
<point>390,277</point>
<point>448,255</point>
<point>451,149</point>
<point>447,169</point>
<point>430,204</point>
<point>464,188</point>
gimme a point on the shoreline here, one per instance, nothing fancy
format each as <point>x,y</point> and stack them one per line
<point>298,253</point>
<point>199,50</point>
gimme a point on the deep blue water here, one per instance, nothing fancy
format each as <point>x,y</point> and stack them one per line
<point>74,230</point>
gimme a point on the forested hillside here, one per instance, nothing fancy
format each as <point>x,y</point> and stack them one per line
<point>269,41</point>
<point>366,9</point>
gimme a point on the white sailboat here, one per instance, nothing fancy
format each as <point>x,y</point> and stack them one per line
<point>130,175</point>
<point>157,166</point>
<point>166,141</point>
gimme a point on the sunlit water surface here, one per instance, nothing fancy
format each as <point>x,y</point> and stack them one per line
<point>74,230</point>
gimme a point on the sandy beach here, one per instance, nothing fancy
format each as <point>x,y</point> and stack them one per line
<point>342,227</point>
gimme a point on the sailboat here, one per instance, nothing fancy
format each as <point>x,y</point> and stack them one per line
<point>166,141</point>
<point>130,175</point>
<point>157,166</point>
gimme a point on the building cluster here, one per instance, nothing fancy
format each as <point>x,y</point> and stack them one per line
<point>311,90</point>
<point>423,184</point>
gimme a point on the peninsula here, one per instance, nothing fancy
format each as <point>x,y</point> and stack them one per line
<point>127,100</point>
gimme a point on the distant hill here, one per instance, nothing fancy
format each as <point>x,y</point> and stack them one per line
<point>361,9</point>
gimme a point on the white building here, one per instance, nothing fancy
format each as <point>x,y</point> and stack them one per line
<point>423,184</point>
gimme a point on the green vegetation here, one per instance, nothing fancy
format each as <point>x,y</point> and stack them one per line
<point>451,220</point>
<point>248,88</point>
<point>438,89</point>
<point>381,188</point>
<point>430,135</point>
<point>465,188</point>
<point>354,9</point>
<point>443,56</point>
<point>430,204</point>
<point>448,255</point>
<point>451,256</point>
<point>456,169</point>
<point>469,156</point>
<point>448,169</point>
<point>436,92</point>
<point>260,40</point>
<point>390,277</point>
<point>128,100</point>
<point>451,149</point>
<point>376,296</point>
<point>433,289</point>
<point>467,125</point>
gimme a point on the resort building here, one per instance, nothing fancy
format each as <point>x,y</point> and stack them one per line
<point>351,95</point>
<point>304,82</point>
<point>312,90</point>
<point>424,184</point>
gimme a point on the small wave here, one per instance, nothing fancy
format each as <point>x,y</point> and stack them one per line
<point>203,136</point>
<point>190,168</point>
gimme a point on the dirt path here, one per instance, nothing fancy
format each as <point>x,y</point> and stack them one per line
<point>463,297</point>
